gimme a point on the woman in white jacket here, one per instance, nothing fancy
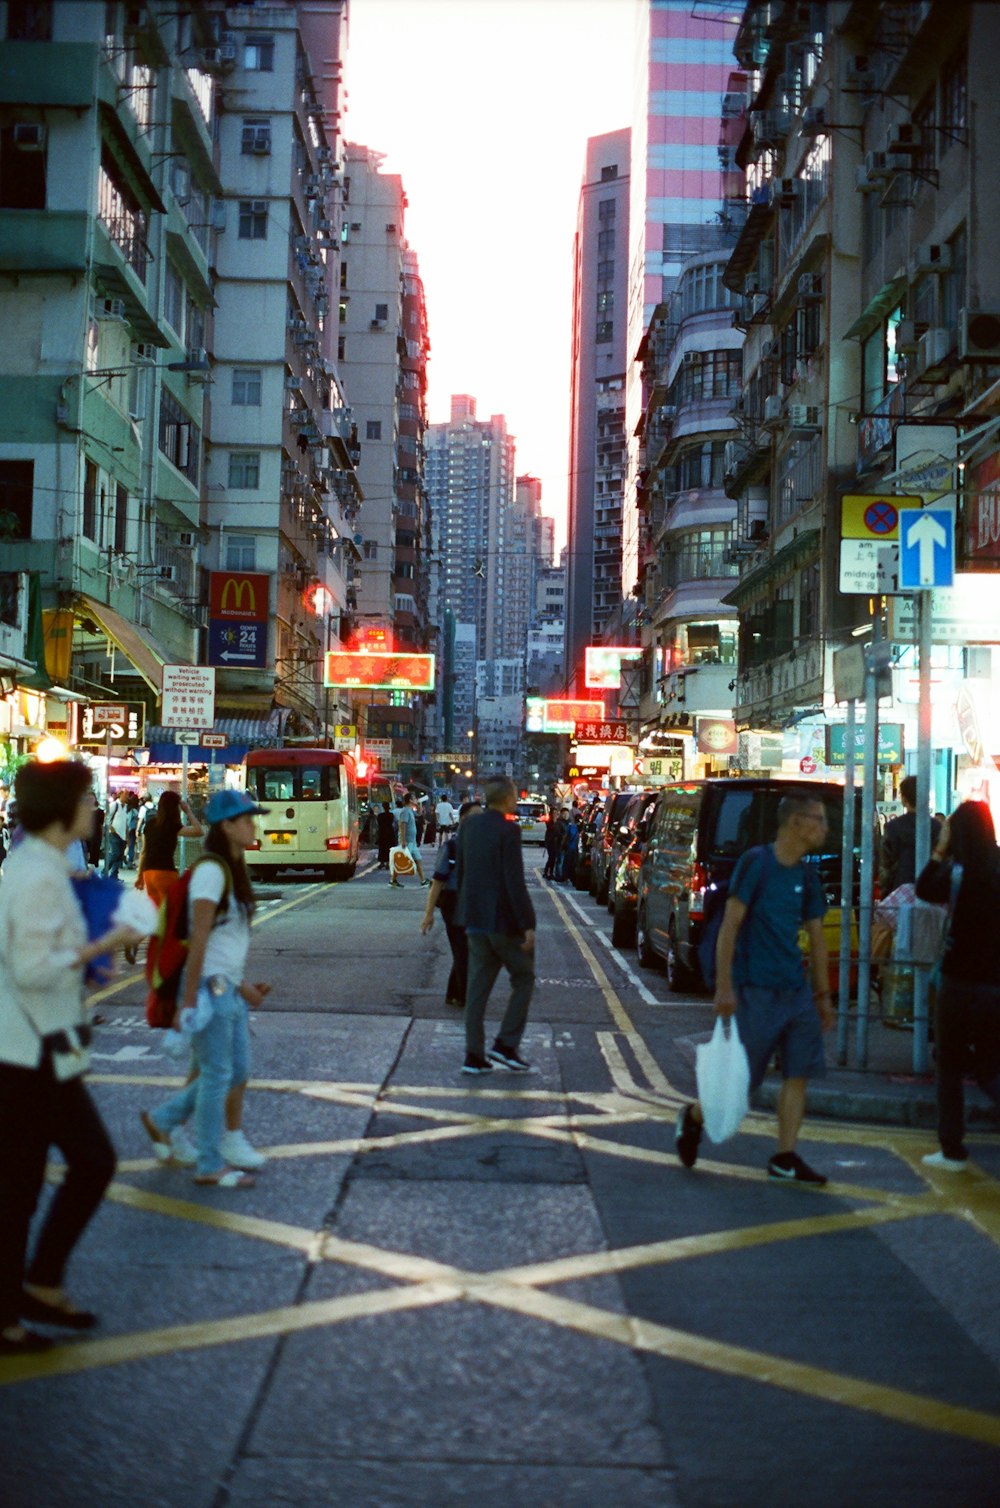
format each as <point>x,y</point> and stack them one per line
<point>43,1055</point>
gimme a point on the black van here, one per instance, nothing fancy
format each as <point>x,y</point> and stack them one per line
<point>698,830</point>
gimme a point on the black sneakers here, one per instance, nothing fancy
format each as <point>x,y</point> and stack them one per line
<point>508,1057</point>
<point>688,1136</point>
<point>788,1167</point>
<point>475,1064</point>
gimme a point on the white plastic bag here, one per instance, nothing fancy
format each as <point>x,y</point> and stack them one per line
<point>722,1070</point>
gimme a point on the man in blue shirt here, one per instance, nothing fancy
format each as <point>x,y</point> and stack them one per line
<point>407,825</point>
<point>761,980</point>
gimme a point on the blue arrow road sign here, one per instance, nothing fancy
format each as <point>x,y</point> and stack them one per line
<point>927,548</point>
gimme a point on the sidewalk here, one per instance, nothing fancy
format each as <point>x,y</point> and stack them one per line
<point>887,1091</point>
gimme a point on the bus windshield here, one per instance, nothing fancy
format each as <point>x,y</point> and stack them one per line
<point>298,782</point>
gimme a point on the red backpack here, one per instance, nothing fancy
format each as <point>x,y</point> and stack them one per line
<point>168,946</point>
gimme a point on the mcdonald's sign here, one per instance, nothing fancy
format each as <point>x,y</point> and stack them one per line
<point>240,594</point>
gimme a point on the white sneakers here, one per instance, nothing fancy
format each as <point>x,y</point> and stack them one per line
<point>238,1152</point>
<point>182,1148</point>
<point>950,1164</point>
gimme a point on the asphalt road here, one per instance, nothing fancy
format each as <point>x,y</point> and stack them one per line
<point>505,1293</point>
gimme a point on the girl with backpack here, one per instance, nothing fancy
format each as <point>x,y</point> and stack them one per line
<point>216,993</point>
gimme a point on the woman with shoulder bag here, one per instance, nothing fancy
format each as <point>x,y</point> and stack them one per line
<point>43,1055</point>
<point>158,856</point>
<point>214,995</point>
<point>964,872</point>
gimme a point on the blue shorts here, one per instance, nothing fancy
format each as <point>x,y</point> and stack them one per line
<point>414,852</point>
<point>784,1021</point>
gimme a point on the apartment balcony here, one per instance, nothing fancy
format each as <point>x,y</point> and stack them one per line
<point>57,75</point>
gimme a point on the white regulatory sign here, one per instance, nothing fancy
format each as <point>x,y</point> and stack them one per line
<point>869,566</point>
<point>188,696</point>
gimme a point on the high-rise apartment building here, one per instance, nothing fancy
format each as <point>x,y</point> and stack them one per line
<point>470,484</point>
<point>382,357</point>
<point>282,495</point>
<point>597,401</point>
<point>679,184</point>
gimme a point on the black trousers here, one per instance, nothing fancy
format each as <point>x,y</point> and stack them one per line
<point>36,1112</point>
<point>967,1039</point>
<point>459,976</point>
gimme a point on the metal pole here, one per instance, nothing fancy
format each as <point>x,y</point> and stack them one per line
<point>184,797</point>
<point>867,849</point>
<point>846,885</point>
<point>921,974</point>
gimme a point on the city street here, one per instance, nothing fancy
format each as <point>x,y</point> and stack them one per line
<point>505,1292</point>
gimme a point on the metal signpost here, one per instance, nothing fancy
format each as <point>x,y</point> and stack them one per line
<point>849,687</point>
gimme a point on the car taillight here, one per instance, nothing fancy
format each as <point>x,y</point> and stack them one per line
<point>696,897</point>
<point>634,857</point>
<point>255,845</point>
<point>340,844</point>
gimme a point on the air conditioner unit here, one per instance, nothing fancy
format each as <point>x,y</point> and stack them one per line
<point>377,324</point>
<point>877,165</point>
<point>810,285</point>
<point>813,122</point>
<point>166,573</point>
<point>932,256</point>
<point>196,356</point>
<point>187,539</point>
<point>111,308</point>
<point>667,412</point>
<point>785,191</point>
<point>979,335</point>
<point>933,349</point>
<point>180,181</point>
<point>29,136</point>
<point>904,137</point>
<point>228,51</point>
<point>218,216</point>
<point>210,59</point>
<point>907,336</point>
<point>769,127</point>
<point>860,74</point>
<point>863,181</point>
<point>311,186</point>
<point>759,304</point>
<point>733,457</point>
<point>803,416</point>
<point>293,383</point>
<point>144,354</point>
<point>773,409</point>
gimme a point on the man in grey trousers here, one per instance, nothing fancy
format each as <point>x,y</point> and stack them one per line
<point>499,920</point>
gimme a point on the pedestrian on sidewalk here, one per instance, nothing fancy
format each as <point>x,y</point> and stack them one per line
<point>443,894</point>
<point>571,847</point>
<point>160,833</point>
<point>385,825</point>
<point>407,825</point>
<point>115,838</point>
<point>760,977</point>
<point>444,814</point>
<point>43,1040</point>
<point>131,829</point>
<point>897,858</point>
<point>215,989</point>
<point>499,920</point>
<point>964,871</point>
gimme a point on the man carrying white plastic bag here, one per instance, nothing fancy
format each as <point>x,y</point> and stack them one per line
<point>722,1070</point>
<point>762,984</point>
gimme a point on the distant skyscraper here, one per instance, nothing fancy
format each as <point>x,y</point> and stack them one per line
<point>684,57</point>
<point>470,483</point>
<point>597,405</point>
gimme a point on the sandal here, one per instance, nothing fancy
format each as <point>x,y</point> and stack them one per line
<point>162,1149</point>
<point>229,1178</point>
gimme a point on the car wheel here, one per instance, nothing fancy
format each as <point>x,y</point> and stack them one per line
<point>580,878</point>
<point>623,928</point>
<point>647,956</point>
<point>678,977</point>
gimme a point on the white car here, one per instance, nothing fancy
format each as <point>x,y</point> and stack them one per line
<point>533,820</point>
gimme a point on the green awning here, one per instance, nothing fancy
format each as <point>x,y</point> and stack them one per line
<point>875,311</point>
<point>34,640</point>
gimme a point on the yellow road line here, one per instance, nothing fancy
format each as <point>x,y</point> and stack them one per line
<point>618,1013</point>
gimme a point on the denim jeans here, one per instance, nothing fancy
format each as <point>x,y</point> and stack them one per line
<point>114,853</point>
<point>967,1038</point>
<point>221,1054</point>
<point>488,953</point>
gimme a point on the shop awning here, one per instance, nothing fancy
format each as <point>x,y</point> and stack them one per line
<point>135,644</point>
<point>875,311</point>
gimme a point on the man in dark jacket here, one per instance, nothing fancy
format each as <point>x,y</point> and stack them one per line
<point>898,851</point>
<point>499,920</point>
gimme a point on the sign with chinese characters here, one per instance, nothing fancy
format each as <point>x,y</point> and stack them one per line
<point>387,672</point>
<point>188,696</point>
<point>663,771</point>
<point>378,748</point>
<point>869,543</point>
<point>560,715</point>
<point>125,722</point>
<point>602,664</point>
<point>214,740</point>
<point>715,735</point>
<point>595,732</point>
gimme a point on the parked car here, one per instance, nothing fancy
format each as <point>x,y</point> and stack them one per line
<point>600,849</point>
<point>622,837</point>
<point>532,818</point>
<point>590,830</point>
<point>625,882</point>
<point>697,831</point>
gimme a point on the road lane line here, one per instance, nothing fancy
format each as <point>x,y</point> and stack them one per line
<point>590,922</point>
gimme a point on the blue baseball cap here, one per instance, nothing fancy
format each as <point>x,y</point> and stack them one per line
<point>225,805</point>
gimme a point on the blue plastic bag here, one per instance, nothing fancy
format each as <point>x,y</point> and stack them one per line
<point>99,897</point>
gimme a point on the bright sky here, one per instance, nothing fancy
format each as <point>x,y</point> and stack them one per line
<point>484,107</point>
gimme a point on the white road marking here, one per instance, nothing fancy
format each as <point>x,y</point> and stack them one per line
<point>126,1054</point>
<point>645,993</point>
